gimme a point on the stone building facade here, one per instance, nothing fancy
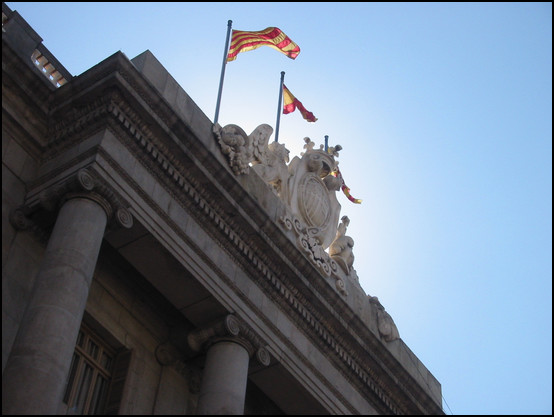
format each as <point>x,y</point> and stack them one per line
<point>156,263</point>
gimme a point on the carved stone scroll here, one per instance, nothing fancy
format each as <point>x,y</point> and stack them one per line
<point>230,327</point>
<point>315,252</point>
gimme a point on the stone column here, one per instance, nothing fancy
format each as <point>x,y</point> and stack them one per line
<point>223,386</point>
<point>36,371</point>
<point>229,345</point>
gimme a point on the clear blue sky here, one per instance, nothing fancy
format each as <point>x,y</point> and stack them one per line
<point>444,113</point>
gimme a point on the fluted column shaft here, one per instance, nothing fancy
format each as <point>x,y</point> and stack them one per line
<point>35,375</point>
<point>223,387</point>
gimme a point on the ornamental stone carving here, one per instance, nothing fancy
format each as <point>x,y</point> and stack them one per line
<point>312,196</point>
<point>387,329</point>
<point>310,245</point>
<point>274,169</point>
<point>306,186</point>
<point>341,248</point>
<point>82,184</point>
<point>229,328</point>
<point>246,151</point>
<point>315,252</point>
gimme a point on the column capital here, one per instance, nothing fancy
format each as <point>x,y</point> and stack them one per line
<point>169,355</point>
<point>232,329</point>
<point>84,183</point>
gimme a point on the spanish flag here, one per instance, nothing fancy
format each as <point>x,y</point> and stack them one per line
<point>344,188</point>
<point>242,41</point>
<point>290,103</point>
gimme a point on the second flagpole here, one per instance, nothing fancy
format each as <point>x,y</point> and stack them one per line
<point>279,106</point>
<point>229,23</point>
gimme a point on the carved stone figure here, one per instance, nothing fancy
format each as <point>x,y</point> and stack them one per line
<point>272,167</point>
<point>309,146</point>
<point>341,248</point>
<point>245,151</point>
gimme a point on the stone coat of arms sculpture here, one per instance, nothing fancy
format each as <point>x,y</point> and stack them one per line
<point>305,185</point>
<point>308,189</point>
<point>312,197</point>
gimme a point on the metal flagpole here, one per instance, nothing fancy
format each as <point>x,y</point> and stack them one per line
<point>279,105</point>
<point>229,23</point>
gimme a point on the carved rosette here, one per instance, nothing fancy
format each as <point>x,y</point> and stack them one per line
<point>19,220</point>
<point>167,354</point>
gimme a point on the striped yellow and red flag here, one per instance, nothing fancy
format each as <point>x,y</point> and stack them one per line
<point>291,103</point>
<point>344,188</point>
<point>242,41</point>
